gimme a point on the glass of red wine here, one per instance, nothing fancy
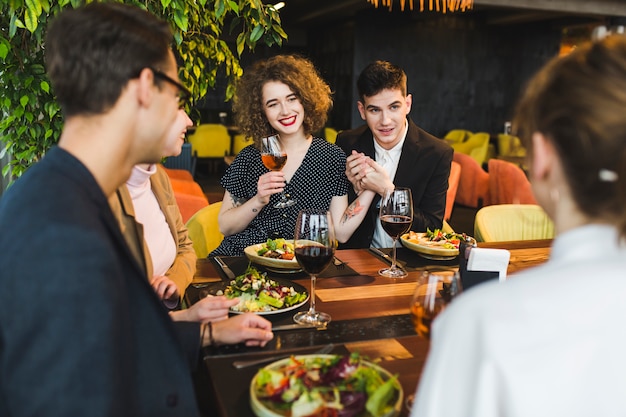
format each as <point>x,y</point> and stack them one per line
<point>274,159</point>
<point>396,215</point>
<point>315,244</point>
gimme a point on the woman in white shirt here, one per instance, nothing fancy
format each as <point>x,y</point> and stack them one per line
<point>550,341</point>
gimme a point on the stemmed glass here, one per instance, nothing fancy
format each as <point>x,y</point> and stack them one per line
<point>315,244</point>
<point>396,216</point>
<point>274,159</point>
<point>434,291</point>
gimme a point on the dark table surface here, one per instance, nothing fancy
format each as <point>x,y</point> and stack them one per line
<point>370,315</point>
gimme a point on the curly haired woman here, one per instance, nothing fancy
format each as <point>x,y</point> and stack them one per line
<point>284,95</point>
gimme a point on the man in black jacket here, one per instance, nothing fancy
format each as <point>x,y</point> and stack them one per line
<point>391,151</point>
<point>82,333</point>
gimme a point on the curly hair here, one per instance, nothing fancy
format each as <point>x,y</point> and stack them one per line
<point>300,75</point>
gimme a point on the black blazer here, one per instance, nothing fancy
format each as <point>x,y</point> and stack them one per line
<point>424,167</point>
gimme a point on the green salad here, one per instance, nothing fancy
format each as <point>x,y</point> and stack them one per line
<point>257,293</point>
<point>328,385</point>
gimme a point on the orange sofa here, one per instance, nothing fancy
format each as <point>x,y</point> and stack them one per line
<point>189,195</point>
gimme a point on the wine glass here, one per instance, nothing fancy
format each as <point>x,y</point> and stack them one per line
<point>434,291</point>
<point>315,244</point>
<point>396,215</point>
<point>274,159</point>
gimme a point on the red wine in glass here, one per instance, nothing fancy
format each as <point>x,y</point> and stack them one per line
<point>314,259</point>
<point>395,226</point>
<point>315,243</point>
<point>396,215</point>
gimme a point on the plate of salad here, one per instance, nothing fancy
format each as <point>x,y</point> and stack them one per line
<point>323,385</point>
<point>261,295</point>
<point>276,254</point>
<point>434,244</point>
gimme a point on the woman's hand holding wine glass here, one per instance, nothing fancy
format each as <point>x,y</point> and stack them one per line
<point>274,159</point>
<point>315,244</point>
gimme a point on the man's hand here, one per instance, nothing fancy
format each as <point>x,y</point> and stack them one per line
<point>207,309</point>
<point>250,328</point>
<point>376,179</point>
<point>356,169</point>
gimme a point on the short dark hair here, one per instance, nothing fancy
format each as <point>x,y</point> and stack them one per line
<point>93,51</point>
<point>378,76</point>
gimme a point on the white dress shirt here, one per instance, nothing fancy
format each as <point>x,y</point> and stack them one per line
<point>550,341</point>
<point>388,159</point>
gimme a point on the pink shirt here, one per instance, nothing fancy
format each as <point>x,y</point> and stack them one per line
<point>156,231</point>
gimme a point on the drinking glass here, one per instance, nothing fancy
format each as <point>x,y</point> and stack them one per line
<point>315,244</point>
<point>274,159</point>
<point>396,215</point>
<point>434,291</point>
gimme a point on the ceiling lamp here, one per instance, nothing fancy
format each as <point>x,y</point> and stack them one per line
<point>443,6</point>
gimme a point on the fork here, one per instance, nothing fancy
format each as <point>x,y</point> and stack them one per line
<point>244,364</point>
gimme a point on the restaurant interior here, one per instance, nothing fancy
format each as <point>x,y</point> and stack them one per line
<point>465,71</point>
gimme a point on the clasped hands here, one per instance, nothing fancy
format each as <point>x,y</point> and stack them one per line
<point>366,174</point>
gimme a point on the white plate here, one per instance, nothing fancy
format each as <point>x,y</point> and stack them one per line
<point>251,253</point>
<point>215,287</point>
<point>261,410</point>
<point>428,249</point>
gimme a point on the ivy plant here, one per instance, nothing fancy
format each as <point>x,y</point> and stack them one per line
<point>31,120</point>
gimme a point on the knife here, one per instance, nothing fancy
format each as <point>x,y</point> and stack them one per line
<point>381,254</point>
<point>225,268</point>
<point>296,326</point>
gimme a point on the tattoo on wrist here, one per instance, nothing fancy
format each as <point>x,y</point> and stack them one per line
<point>352,210</point>
<point>238,201</point>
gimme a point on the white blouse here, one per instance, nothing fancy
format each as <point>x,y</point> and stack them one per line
<point>550,341</point>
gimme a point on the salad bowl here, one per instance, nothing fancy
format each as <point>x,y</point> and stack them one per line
<point>269,400</point>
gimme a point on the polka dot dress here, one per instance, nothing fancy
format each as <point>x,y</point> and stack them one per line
<point>320,177</point>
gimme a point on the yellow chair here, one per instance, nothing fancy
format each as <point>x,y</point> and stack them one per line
<point>330,134</point>
<point>204,230</point>
<point>507,222</point>
<point>457,136</point>
<point>509,145</point>
<point>240,142</point>
<point>210,142</point>
<point>477,146</point>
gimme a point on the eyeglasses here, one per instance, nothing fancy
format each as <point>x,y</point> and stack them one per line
<point>183,93</point>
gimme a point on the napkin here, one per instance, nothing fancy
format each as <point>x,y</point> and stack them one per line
<point>484,259</point>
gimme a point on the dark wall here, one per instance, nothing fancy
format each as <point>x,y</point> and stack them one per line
<point>462,72</point>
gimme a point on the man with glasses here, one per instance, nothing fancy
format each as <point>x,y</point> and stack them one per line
<point>82,333</point>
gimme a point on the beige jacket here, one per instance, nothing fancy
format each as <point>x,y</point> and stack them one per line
<point>184,267</point>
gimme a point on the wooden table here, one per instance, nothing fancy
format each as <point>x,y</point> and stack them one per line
<point>357,298</point>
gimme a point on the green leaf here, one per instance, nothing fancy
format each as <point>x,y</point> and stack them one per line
<point>30,18</point>
<point>24,101</point>
<point>241,43</point>
<point>256,34</point>
<point>234,6</point>
<point>45,86</point>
